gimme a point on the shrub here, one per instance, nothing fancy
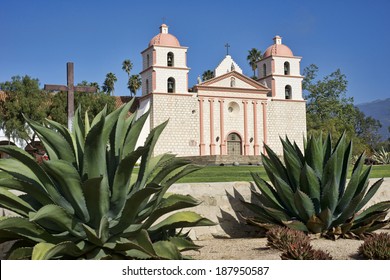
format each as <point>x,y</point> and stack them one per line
<point>309,191</point>
<point>86,203</point>
<point>376,247</point>
<point>280,237</point>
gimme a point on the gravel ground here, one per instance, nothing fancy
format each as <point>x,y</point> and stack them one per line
<point>256,249</point>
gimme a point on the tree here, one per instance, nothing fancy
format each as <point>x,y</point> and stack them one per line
<point>89,102</point>
<point>134,84</point>
<point>254,55</point>
<point>127,66</point>
<point>207,75</point>
<point>330,110</point>
<point>109,83</point>
<point>23,98</point>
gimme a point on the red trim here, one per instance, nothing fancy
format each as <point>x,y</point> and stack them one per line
<point>154,58</point>
<point>288,100</point>
<point>154,80</point>
<point>273,91</point>
<point>176,94</point>
<point>254,97</point>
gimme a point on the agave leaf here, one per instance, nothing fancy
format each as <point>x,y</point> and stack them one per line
<point>95,149</point>
<point>133,134</point>
<point>383,206</point>
<point>167,250</point>
<point>371,192</point>
<point>315,224</point>
<point>351,187</point>
<point>63,131</point>
<point>363,181</point>
<point>56,142</point>
<point>266,190</point>
<point>184,244</point>
<point>261,215</point>
<point>92,236</point>
<point>329,197</point>
<point>274,164</point>
<point>47,251</point>
<point>304,205</point>
<point>60,217</point>
<point>23,167</point>
<point>181,220</point>
<point>310,185</point>
<point>344,169</point>
<point>297,225</point>
<point>122,180</point>
<point>314,155</point>
<point>122,127</point>
<point>22,253</point>
<point>78,137</point>
<point>131,208</point>
<point>104,229</point>
<point>265,201</point>
<point>286,194</point>
<point>96,194</point>
<point>23,227</point>
<point>326,217</point>
<point>173,164</point>
<point>348,211</point>
<point>171,203</point>
<point>12,202</point>
<point>293,164</point>
<point>69,184</point>
<point>141,243</point>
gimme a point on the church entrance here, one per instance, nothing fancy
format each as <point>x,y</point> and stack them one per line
<point>234,145</point>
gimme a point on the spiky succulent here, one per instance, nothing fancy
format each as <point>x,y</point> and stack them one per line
<point>88,201</point>
<point>381,156</point>
<point>310,192</point>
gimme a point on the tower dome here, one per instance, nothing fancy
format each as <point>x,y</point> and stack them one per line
<point>164,38</point>
<point>278,49</point>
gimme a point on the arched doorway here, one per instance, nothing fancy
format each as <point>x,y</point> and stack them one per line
<point>234,145</point>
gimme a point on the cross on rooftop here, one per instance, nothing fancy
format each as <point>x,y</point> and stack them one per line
<point>227,46</point>
<point>70,88</point>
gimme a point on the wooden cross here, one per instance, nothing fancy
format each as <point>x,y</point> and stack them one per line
<point>227,46</point>
<point>70,88</point>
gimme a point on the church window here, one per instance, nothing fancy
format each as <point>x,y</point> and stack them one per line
<point>286,68</point>
<point>264,70</point>
<point>287,91</point>
<point>232,82</point>
<point>233,108</point>
<point>147,60</point>
<point>170,59</point>
<point>171,85</point>
<point>147,86</point>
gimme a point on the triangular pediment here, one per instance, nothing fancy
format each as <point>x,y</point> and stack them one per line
<point>234,79</point>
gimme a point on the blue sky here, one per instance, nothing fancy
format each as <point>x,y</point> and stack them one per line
<point>38,37</point>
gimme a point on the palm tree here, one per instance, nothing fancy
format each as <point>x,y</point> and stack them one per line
<point>127,66</point>
<point>95,85</point>
<point>108,85</point>
<point>207,75</point>
<point>134,84</point>
<point>254,55</point>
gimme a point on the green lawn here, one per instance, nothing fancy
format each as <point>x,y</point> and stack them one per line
<point>242,173</point>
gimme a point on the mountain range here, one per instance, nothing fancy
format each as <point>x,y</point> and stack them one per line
<point>380,110</point>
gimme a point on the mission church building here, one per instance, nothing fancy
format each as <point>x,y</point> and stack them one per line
<point>230,114</point>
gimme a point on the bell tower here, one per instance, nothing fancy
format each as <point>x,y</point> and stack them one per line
<point>279,70</point>
<point>164,65</point>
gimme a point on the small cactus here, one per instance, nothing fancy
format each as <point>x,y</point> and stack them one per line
<point>280,237</point>
<point>376,247</point>
<point>302,250</point>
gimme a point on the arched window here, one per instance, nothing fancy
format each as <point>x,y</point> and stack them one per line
<point>147,61</point>
<point>287,92</point>
<point>286,68</point>
<point>147,86</point>
<point>264,70</point>
<point>170,59</point>
<point>171,85</point>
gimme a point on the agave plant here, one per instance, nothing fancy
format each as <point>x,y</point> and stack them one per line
<point>309,192</point>
<point>381,156</point>
<point>88,202</point>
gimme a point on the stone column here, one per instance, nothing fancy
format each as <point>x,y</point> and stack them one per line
<point>222,131</point>
<point>212,140</point>
<point>201,128</point>
<point>246,142</point>
<point>264,104</point>
<point>255,134</point>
